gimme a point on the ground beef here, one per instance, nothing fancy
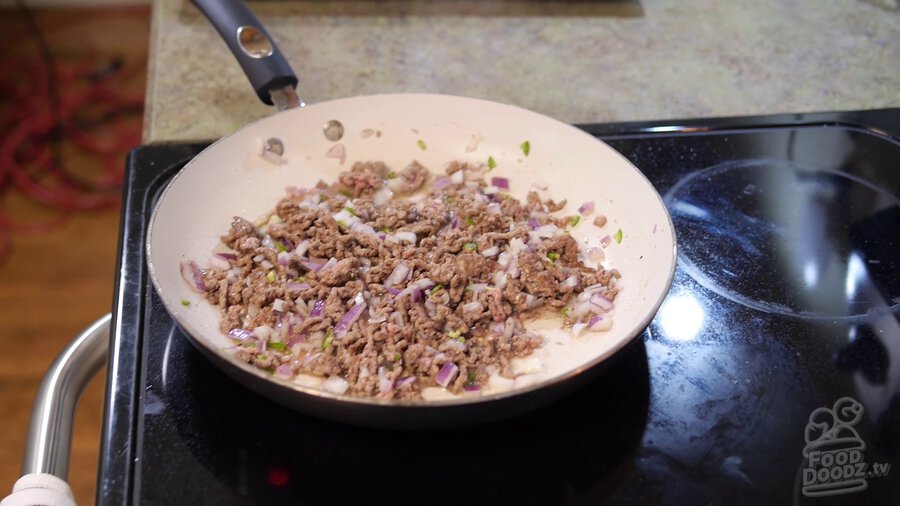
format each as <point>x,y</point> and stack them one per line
<point>384,294</point>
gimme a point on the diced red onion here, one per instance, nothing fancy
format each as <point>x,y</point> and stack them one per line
<point>498,328</point>
<point>384,381</point>
<point>239,334</point>
<point>263,332</point>
<point>394,291</point>
<point>547,231</point>
<point>362,228</point>
<point>504,260</point>
<point>570,282</point>
<point>581,309</point>
<point>312,266</point>
<point>516,245</point>
<point>382,196</point>
<point>404,381</point>
<point>457,177</point>
<point>578,328</point>
<point>441,182</point>
<point>301,248</point>
<point>346,321</point>
<point>278,305</point>
<point>586,208</point>
<point>284,370</point>
<point>500,182</point>
<point>336,385</point>
<point>600,324</point>
<point>595,254</point>
<point>297,287</point>
<point>317,309</point>
<point>219,262</point>
<point>262,344</point>
<point>446,374</point>
<point>534,223</point>
<point>601,302</point>
<point>283,257</point>
<point>265,264</point>
<point>489,252</point>
<point>494,208</point>
<point>401,270</point>
<point>329,264</point>
<point>193,275</point>
<point>476,288</point>
<point>406,236</point>
<point>471,388</point>
<point>337,151</point>
<point>509,328</point>
<point>295,340</point>
<point>500,280</point>
<point>455,223</point>
<point>425,284</point>
<point>472,307</point>
<point>604,242</point>
<point>397,318</point>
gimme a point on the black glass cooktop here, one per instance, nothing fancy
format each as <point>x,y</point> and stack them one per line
<point>770,375</point>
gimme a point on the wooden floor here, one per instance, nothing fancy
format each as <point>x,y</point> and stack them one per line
<point>55,283</point>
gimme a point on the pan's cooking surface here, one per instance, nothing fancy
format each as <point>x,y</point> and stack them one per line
<point>785,300</point>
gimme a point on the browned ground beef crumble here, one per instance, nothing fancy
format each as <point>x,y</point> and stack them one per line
<point>465,266</point>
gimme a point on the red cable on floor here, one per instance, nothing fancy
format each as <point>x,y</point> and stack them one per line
<point>31,160</point>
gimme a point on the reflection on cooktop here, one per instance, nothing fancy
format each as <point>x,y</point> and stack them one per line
<point>817,237</point>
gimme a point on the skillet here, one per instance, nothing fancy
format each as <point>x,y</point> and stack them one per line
<point>245,173</point>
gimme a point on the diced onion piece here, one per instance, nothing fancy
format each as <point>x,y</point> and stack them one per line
<point>404,381</point>
<point>494,208</point>
<point>581,309</point>
<point>425,284</point>
<point>310,265</point>
<point>578,328</point>
<point>401,270</point>
<point>239,334</point>
<point>441,182</point>
<point>284,370</point>
<point>317,308</point>
<point>301,248</point>
<point>489,252</point>
<point>336,385</point>
<point>457,177</point>
<point>570,282</point>
<point>278,305</point>
<point>385,384</point>
<point>601,302</point>
<point>595,254</point>
<point>349,318</point>
<point>337,151</point>
<point>297,287</point>
<point>362,228</point>
<point>394,291</point>
<point>329,264</point>
<point>382,196</point>
<point>219,262</point>
<point>406,236</point>
<point>473,307</point>
<point>263,332</point>
<point>476,288</point>
<point>283,257</point>
<point>472,388</point>
<point>534,223</point>
<point>604,242</point>
<point>516,245</point>
<point>500,182</point>
<point>600,324</point>
<point>500,280</point>
<point>504,260</point>
<point>446,374</point>
<point>586,208</point>
<point>193,275</point>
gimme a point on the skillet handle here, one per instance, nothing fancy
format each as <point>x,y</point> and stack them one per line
<point>254,49</point>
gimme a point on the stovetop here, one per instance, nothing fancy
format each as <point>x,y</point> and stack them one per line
<point>771,373</point>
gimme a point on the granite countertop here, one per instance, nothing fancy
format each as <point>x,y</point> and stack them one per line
<point>578,61</point>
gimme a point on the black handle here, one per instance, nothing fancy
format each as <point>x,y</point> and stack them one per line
<point>254,49</point>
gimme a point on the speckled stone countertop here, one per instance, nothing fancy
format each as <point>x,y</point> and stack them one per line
<point>576,61</point>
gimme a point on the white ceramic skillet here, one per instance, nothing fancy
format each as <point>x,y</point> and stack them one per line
<point>231,178</point>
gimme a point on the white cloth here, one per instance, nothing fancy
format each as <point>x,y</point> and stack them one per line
<point>40,489</point>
